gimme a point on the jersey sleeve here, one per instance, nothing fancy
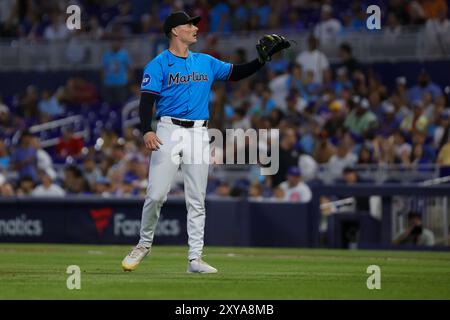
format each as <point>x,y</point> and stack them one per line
<point>152,79</point>
<point>220,70</point>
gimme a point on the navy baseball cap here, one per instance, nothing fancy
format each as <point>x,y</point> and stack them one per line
<point>178,18</point>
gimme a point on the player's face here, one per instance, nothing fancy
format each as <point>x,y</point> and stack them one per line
<point>187,33</point>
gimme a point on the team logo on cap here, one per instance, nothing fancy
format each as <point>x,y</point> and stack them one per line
<point>146,79</point>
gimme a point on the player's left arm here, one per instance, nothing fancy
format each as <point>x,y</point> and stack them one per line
<point>267,46</point>
<point>241,71</point>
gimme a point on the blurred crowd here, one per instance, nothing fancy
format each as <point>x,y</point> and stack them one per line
<point>45,19</point>
<point>341,116</point>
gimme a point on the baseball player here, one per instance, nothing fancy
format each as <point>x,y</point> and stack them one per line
<point>178,82</point>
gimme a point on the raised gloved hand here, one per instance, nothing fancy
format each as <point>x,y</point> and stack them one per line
<point>270,44</point>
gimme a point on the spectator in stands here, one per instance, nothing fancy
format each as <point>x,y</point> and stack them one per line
<point>324,149</point>
<point>416,121</point>
<point>102,187</point>
<point>79,91</point>
<point>211,46</point>
<point>351,177</point>
<point>294,107</point>
<point>293,21</point>
<point>388,120</point>
<point>118,158</point>
<point>201,8</point>
<point>24,158</point>
<point>94,30</point>
<point>48,188</point>
<point>223,189</point>
<point>383,148</point>
<point>416,233</point>
<point>219,17</point>
<point>358,22</point>
<point>129,187</point>
<point>116,73</point>
<point>343,158</point>
<point>313,60</point>
<point>361,121</point>
<point>424,84</point>
<point>342,80</point>
<point>416,14</point>
<point>5,158</point>
<point>25,186</point>
<point>442,132</point>
<point>49,104</point>
<point>347,59</point>
<point>428,106</point>
<point>436,34</point>
<point>375,106</point>
<point>400,96</point>
<point>122,24</point>
<point>264,103</point>
<point>422,151</point>
<point>90,171</point>
<point>418,156</point>
<point>288,156</point>
<point>443,157</point>
<point>307,165</point>
<point>433,8</point>
<point>335,123</point>
<point>295,190</point>
<point>278,194</point>
<point>7,126</point>
<point>44,160</point>
<point>393,28</point>
<point>6,190</point>
<point>239,56</point>
<point>329,27</point>
<point>57,30</point>
<point>402,149</point>
<point>366,155</point>
<point>255,192</point>
<point>28,105</point>
<point>359,84</point>
<point>69,144</point>
<point>279,65</point>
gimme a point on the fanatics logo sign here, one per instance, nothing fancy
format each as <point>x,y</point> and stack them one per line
<point>101,218</point>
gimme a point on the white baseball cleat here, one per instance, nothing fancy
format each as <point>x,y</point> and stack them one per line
<point>200,266</point>
<point>132,260</point>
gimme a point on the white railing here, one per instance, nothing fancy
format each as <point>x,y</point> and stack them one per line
<point>130,114</point>
<point>51,125</point>
<point>436,181</point>
<point>74,54</point>
<point>380,173</point>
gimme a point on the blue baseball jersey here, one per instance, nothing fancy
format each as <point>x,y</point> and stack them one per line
<point>183,85</point>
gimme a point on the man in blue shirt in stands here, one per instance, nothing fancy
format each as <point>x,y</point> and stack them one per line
<point>116,73</point>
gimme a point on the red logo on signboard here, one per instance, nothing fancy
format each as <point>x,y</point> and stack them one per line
<point>101,218</point>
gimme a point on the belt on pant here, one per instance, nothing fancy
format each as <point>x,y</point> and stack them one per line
<point>185,123</point>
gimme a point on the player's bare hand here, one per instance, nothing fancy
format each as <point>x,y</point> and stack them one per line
<point>152,141</point>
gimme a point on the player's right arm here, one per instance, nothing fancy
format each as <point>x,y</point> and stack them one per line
<point>150,89</point>
<point>151,140</point>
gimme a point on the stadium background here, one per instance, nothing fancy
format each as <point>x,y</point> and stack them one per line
<point>73,167</point>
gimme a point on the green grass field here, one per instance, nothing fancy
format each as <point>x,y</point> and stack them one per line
<point>38,271</point>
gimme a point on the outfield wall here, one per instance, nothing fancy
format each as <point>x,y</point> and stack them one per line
<point>231,222</point>
<point>113,221</point>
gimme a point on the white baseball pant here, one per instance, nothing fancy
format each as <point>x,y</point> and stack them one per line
<point>183,147</point>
